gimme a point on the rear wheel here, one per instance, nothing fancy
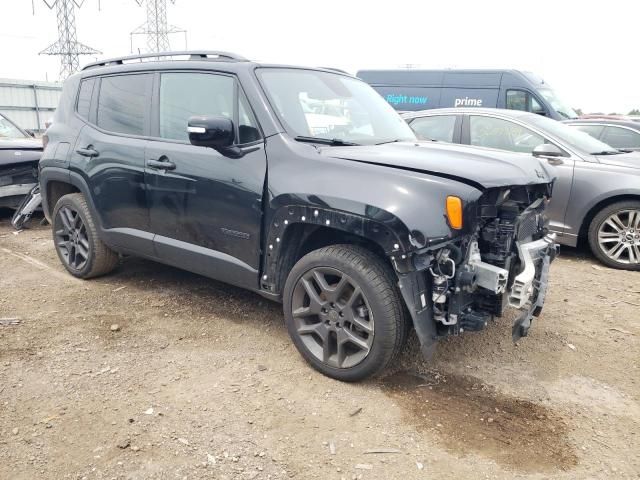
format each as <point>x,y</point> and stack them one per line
<point>614,235</point>
<point>344,312</point>
<point>76,239</point>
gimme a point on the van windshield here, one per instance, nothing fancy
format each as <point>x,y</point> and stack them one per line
<point>330,107</point>
<point>559,106</point>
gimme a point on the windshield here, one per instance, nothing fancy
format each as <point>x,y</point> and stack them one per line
<point>9,130</point>
<point>571,136</point>
<point>330,106</point>
<point>557,104</point>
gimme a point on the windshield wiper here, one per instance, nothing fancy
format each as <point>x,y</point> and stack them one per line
<point>334,142</point>
<point>396,140</point>
<point>608,152</point>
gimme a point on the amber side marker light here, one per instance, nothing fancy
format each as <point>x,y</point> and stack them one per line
<point>454,212</point>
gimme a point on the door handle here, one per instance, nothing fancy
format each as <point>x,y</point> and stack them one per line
<point>161,164</point>
<point>89,151</point>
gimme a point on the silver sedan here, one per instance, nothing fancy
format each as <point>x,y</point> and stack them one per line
<point>596,196</point>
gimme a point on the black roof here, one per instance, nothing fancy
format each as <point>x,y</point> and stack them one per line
<point>197,59</point>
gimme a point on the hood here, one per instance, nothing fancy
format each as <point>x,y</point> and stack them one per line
<point>631,160</point>
<point>19,150</point>
<point>20,144</point>
<point>480,167</point>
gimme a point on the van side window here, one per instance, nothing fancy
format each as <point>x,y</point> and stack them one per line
<point>183,95</point>
<point>122,103</point>
<point>502,134</point>
<point>517,100</point>
<point>437,127</point>
<point>521,100</point>
<point>536,107</point>
<point>84,97</point>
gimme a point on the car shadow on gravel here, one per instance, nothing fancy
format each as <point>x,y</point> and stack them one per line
<point>176,291</point>
<point>467,416</point>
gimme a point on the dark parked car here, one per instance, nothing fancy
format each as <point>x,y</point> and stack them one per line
<point>19,155</point>
<point>224,167</point>
<point>620,134</point>
<point>597,194</point>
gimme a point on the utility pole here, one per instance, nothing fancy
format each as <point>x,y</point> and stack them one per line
<point>156,27</point>
<point>67,46</point>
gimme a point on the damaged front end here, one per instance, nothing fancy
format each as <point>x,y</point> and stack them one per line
<point>500,259</point>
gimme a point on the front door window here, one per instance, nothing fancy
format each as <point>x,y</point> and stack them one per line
<point>502,134</point>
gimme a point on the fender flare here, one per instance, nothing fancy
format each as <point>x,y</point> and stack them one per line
<point>63,175</point>
<point>391,234</point>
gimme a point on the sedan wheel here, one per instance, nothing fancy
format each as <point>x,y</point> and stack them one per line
<point>614,235</point>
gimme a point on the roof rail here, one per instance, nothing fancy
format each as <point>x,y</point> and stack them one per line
<point>192,55</point>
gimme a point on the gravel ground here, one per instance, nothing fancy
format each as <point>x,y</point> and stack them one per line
<point>155,373</point>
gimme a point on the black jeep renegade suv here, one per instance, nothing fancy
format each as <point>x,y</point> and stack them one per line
<point>303,185</point>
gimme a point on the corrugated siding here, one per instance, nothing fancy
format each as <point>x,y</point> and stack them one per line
<point>18,102</point>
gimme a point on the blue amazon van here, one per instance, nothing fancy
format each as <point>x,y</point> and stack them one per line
<point>410,90</point>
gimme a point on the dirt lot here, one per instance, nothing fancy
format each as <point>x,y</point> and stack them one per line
<point>200,380</point>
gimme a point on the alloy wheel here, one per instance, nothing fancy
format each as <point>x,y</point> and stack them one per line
<point>71,238</point>
<point>619,236</point>
<point>332,317</point>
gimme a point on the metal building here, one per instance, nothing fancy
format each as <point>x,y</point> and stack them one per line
<point>29,103</point>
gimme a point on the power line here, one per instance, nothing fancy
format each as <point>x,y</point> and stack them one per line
<point>156,28</point>
<point>67,46</point>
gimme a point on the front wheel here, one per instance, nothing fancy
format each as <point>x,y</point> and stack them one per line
<point>344,313</point>
<point>614,235</point>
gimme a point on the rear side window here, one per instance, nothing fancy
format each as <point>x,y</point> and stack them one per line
<point>84,97</point>
<point>122,103</point>
<point>621,137</point>
<point>437,127</point>
<point>593,130</point>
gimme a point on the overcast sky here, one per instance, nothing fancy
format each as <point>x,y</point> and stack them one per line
<point>587,50</point>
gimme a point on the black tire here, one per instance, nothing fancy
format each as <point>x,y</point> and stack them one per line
<point>602,229</point>
<point>370,298</point>
<point>82,242</point>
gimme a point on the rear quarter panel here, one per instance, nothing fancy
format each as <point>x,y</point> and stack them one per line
<point>594,183</point>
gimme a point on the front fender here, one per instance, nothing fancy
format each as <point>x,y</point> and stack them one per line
<point>397,197</point>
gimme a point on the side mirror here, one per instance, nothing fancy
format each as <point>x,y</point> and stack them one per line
<point>547,150</point>
<point>214,131</point>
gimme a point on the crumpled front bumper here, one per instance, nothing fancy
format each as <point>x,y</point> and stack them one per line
<point>529,288</point>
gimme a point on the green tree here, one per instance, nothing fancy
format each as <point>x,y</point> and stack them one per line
<point>635,111</point>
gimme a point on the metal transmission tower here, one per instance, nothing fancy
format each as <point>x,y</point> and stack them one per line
<point>156,27</point>
<point>67,45</point>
